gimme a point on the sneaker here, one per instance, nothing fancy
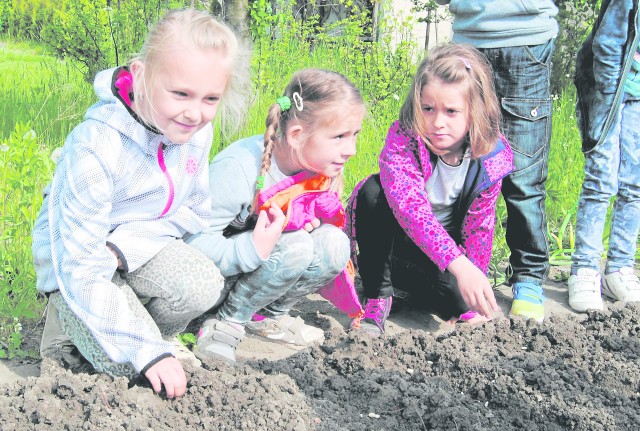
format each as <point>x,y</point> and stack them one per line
<point>285,329</point>
<point>622,285</point>
<point>528,301</point>
<point>376,311</point>
<point>584,290</point>
<point>183,354</point>
<point>469,317</point>
<point>219,339</point>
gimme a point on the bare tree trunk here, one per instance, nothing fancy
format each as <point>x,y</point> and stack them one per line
<point>427,34</point>
<point>374,21</point>
<point>235,12</point>
<point>216,8</point>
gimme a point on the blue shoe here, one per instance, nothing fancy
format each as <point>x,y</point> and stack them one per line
<point>528,301</point>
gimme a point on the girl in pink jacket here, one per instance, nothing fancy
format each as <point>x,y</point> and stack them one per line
<point>425,223</point>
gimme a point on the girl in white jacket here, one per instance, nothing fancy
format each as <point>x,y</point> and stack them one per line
<point>131,181</point>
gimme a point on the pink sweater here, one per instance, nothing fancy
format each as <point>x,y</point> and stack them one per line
<point>404,169</point>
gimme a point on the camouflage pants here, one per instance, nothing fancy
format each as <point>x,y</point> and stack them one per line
<point>300,264</point>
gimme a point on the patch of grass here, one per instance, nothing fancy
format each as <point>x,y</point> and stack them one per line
<point>39,89</point>
<point>25,169</point>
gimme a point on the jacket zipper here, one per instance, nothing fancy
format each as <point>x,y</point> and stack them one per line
<point>163,167</point>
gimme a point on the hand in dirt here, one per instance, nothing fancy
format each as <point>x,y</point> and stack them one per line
<point>474,286</point>
<point>168,372</point>
<point>268,230</point>
<point>313,224</point>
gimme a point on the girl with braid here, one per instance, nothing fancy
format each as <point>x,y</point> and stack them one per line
<point>277,213</point>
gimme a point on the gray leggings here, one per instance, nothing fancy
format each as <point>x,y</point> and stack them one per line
<point>174,287</point>
<point>300,264</point>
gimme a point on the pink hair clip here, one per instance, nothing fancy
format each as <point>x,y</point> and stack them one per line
<point>466,63</point>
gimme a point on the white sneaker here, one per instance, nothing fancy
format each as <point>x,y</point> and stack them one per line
<point>584,290</point>
<point>287,330</point>
<point>622,285</point>
<point>218,339</point>
<point>183,354</point>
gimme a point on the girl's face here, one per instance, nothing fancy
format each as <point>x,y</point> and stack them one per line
<point>188,86</point>
<point>446,115</point>
<point>331,143</point>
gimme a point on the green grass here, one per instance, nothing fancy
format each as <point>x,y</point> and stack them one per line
<point>41,99</point>
<point>565,178</point>
<point>37,89</point>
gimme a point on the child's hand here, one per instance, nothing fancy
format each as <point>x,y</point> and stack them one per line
<point>474,286</point>
<point>268,230</point>
<point>313,224</point>
<point>168,372</point>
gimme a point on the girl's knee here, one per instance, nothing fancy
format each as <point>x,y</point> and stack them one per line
<point>197,280</point>
<point>371,192</point>
<point>332,247</point>
<point>294,250</point>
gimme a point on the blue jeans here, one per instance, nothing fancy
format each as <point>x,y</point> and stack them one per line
<point>611,169</point>
<point>522,76</point>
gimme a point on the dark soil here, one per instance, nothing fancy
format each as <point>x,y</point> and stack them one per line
<point>568,373</point>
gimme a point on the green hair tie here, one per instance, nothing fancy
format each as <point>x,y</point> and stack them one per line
<point>260,182</point>
<point>284,102</point>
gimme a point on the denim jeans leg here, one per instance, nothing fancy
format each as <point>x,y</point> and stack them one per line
<point>625,221</point>
<point>522,84</point>
<point>599,185</point>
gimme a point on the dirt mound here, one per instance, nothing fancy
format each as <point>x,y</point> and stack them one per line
<point>565,374</point>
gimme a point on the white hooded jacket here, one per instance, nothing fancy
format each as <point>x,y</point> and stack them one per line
<point>121,183</point>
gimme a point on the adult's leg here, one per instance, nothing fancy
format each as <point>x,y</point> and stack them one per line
<point>522,77</point>
<point>625,220</point>
<point>600,184</point>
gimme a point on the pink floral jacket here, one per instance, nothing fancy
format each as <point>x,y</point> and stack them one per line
<point>405,166</point>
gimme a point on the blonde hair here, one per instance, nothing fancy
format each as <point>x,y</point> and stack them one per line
<point>201,31</point>
<point>464,65</point>
<point>319,90</point>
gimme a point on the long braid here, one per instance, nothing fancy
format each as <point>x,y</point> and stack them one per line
<point>270,139</point>
<point>306,99</point>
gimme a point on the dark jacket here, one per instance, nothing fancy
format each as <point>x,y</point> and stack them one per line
<point>602,63</point>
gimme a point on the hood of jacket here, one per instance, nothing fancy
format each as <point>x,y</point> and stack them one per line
<point>113,111</point>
